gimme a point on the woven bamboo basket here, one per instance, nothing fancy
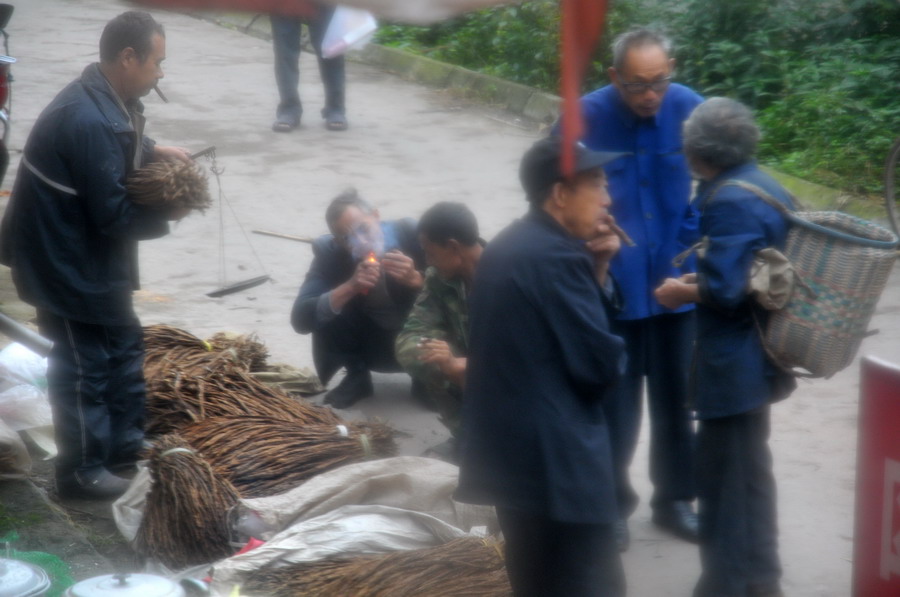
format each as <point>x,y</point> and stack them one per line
<point>845,261</point>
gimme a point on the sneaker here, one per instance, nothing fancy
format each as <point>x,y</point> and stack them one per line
<point>354,387</point>
<point>102,485</point>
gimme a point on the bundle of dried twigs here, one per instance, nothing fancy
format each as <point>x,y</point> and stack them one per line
<point>247,349</point>
<point>168,183</point>
<point>467,567</point>
<point>183,397</point>
<point>161,337</point>
<point>9,459</point>
<point>189,379</point>
<point>186,517</point>
<point>264,456</point>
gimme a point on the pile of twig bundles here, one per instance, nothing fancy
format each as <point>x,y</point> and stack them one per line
<point>248,349</point>
<point>466,567</point>
<point>180,399</point>
<point>262,456</point>
<point>185,519</point>
<point>166,184</point>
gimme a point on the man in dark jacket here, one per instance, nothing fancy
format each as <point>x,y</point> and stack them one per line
<point>541,359</point>
<point>358,291</point>
<point>70,236</point>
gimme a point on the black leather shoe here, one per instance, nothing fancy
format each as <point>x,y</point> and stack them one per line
<point>102,485</point>
<point>353,388</point>
<point>623,536</point>
<point>679,519</point>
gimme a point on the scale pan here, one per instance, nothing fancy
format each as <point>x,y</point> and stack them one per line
<point>238,286</point>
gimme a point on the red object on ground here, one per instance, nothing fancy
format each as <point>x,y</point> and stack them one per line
<point>876,558</point>
<point>250,545</point>
<point>582,22</point>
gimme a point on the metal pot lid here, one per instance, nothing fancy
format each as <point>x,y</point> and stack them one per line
<point>21,579</point>
<point>126,585</point>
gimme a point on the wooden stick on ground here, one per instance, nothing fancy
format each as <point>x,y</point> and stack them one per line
<point>302,239</point>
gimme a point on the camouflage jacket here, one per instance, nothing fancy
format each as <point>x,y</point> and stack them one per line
<point>440,313</point>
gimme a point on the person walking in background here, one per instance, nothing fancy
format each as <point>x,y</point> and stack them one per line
<point>734,381</point>
<point>286,33</point>
<point>434,342</point>
<point>70,236</point>
<point>541,361</point>
<point>640,114</point>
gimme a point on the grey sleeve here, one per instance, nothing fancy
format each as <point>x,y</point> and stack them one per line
<point>324,312</point>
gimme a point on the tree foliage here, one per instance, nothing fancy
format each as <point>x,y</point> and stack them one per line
<point>823,75</point>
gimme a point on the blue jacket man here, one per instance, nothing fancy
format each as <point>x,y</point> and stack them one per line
<point>734,381</point>
<point>541,360</point>
<point>641,114</point>
<point>70,236</point>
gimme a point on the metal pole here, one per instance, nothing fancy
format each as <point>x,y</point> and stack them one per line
<point>25,336</point>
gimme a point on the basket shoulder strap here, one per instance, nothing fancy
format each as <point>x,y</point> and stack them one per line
<point>759,192</point>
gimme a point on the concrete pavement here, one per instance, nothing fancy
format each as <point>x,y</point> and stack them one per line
<point>408,146</point>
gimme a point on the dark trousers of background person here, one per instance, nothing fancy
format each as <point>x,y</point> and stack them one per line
<point>547,558</point>
<point>659,349</point>
<point>355,341</point>
<point>286,41</point>
<point>737,497</point>
<point>95,383</point>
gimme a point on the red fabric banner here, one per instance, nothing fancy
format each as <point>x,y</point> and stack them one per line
<point>582,23</point>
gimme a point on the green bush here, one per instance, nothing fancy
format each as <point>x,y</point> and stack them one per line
<point>832,120</point>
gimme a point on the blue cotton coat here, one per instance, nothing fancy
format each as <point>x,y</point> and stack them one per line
<point>541,359</point>
<point>732,373</point>
<point>650,187</point>
<point>70,232</point>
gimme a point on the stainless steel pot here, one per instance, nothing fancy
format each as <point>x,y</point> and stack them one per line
<point>126,585</point>
<point>21,579</point>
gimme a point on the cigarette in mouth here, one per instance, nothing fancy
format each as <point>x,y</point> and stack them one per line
<point>161,95</point>
<point>622,235</point>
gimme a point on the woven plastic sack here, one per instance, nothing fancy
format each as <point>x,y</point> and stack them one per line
<point>845,263</point>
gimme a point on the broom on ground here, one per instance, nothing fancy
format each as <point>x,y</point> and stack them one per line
<point>264,456</point>
<point>185,519</point>
<point>466,567</point>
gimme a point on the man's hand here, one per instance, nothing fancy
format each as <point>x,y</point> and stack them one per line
<point>170,152</point>
<point>604,246</point>
<point>438,353</point>
<point>366,275</point>
<point>403,269</point>
<point>675,292</point>
<point>606,242</point>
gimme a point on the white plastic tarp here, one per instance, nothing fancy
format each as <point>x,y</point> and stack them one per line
<point>346,532</point>
<point>369,507</point>
<point>23,395</point>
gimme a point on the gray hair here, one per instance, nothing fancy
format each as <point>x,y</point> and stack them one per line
<point>638,38</point>
<point>338,205</point>
<point>721,133</point>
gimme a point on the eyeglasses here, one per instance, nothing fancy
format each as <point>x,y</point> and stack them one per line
<point>658,86</point>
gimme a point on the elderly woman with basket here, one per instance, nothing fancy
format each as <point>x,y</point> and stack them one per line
<point>733,380</point>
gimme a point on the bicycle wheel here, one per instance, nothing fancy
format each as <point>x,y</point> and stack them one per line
<point>892,185</point>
